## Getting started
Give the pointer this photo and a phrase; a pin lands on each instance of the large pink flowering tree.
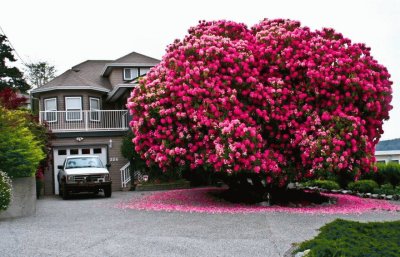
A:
(278, 100)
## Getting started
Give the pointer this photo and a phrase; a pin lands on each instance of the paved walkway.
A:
(91, 226)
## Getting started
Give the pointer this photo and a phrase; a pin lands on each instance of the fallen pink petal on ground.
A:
(200, 200)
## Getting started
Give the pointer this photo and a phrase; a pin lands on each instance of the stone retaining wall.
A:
(23, 202)
(156, 187)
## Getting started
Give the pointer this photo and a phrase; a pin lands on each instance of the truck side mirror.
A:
(108, 165)
(60, 167)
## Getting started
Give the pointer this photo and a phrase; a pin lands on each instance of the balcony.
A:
(78, 121)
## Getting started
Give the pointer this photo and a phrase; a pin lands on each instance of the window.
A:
(50, 110)
(62, 152)
(130, 73)
(73, 106)
(394, 161)
(97, 150)
(86, 151)
(83, 162)
(73, 151)
(143, 71)
(381, 162)
(94, 109)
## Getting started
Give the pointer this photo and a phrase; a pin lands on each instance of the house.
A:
(27, 103)
(84, 108)
(388, 151)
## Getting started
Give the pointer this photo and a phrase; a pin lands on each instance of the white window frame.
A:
(94, 113)
(132, 75)
(147, 69)
(49, 113)
(69, 110)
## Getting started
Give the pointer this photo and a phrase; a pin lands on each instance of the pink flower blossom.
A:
(200, 200)
(277, 99)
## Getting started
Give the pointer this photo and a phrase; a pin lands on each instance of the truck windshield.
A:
(83, 162)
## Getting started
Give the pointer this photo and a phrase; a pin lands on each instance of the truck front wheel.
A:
(107, 191)
(65, 193)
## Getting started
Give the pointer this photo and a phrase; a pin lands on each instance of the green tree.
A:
(40, 73)
(128, 151)
(20, 150)
(10, 77)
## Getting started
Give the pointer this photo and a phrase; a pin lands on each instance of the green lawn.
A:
(354, 239)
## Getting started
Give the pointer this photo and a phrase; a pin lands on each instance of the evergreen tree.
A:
(10, 77)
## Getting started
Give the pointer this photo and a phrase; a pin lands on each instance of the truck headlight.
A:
(107, 177)
(70, 178)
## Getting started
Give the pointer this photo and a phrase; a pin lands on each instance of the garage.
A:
(60, 153)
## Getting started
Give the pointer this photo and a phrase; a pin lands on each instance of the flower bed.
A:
(201, 200)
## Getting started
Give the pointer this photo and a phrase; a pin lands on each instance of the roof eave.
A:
(118, 91)
(47, 89)
(387, 152)
(108, 67)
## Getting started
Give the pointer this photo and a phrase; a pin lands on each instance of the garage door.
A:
(60, 153)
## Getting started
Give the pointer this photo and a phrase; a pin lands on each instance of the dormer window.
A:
(130, 73)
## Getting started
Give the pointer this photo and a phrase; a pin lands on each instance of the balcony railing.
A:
(72, 121)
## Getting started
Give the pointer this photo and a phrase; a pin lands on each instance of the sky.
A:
(67, 32)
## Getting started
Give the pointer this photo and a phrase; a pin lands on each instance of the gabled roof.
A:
(136, 58)
(130, 60)
(92, 75)
(388, 145)
(70, 80)
(82, 76)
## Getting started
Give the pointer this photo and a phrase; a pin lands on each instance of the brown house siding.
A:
(115, 77)
(60, 95)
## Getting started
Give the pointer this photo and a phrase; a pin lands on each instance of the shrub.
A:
(391, 173)
(10, 99)
(397, 190)
(39, 181)
(326, 184)
(20, 150)
(378, 175)
(386, 189)
(278, 100)
(5, 191)
(386, 173)
(363, 186)
(355, 239)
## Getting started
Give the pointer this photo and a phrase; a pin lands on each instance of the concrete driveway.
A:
(91, 226)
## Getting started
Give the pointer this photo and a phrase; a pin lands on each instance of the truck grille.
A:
(88, 178)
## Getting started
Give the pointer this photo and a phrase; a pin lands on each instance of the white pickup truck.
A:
(83, 173)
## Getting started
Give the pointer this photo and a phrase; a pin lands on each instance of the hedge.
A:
(387, 173)
(363, 186)
(326, 184)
